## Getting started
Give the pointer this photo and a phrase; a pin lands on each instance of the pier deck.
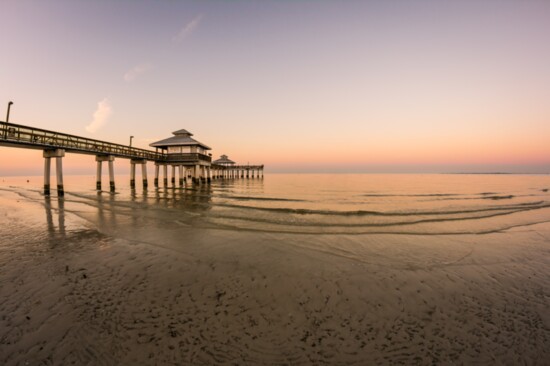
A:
(35, 138)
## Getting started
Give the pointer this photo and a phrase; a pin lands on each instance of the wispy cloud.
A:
(136, 71)
(188, 29)
(101, 116)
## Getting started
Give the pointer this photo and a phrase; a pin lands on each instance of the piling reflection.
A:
(197, 197)
(55, 208)
(106, 215)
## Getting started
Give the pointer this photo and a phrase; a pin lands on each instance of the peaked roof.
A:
(180, 138)
(223, 160)
(182, 132)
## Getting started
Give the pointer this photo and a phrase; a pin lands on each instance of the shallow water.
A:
(332, 204)
(288, 269)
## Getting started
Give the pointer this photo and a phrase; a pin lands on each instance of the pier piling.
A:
(111, 173)
(157, 168)
(180, 168)
(98, 176)
(110, 159)
(58, 154)
(144, 173)
(47, 168)
(59, 175)
(132, 175)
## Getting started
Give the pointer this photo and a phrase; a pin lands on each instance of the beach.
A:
(169, 278)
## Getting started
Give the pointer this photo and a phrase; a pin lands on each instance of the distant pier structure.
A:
(227, 168)
(180, 152)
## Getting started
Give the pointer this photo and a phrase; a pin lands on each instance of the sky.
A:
(300, 86)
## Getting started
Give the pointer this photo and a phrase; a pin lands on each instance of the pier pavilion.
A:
(227, 168)
(222, 167)
(186, 153)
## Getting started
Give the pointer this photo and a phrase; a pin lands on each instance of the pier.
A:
(180, 152)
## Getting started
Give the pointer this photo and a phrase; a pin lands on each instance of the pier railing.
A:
(34, 137)
(187, 157)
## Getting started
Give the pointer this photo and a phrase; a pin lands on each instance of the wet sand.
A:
(75, 292)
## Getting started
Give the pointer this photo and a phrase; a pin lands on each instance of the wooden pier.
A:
(180, 152)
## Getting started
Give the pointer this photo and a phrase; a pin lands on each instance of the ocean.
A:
(288, 269)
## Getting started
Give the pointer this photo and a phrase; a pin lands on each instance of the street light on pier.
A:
(131, 137)
(7, 119)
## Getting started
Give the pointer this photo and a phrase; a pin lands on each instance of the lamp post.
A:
(131, 137)
(7, 119)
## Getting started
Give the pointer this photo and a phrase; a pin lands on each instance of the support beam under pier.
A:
(58, 154)
(133, 163)
(110, 159)
(157, 168)
(47, 168)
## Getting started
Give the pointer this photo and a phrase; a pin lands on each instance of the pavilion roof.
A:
(223, 160)
(180, 138)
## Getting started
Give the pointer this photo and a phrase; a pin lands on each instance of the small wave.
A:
(383, 232)
(366, 225)
(498, 197)
(250, 198)
(412, 195)
(305, 211)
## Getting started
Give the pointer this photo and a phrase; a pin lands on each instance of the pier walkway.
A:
(56, 144)
(36, 138)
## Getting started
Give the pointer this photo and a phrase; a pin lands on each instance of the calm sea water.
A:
(325, 203)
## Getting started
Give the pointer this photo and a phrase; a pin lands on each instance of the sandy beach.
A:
(79, 286)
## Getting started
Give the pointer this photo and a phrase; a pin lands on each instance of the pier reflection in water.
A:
(55, 209)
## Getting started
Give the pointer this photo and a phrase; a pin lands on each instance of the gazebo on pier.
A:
(223, 167)
(227, 168)
(186, 153)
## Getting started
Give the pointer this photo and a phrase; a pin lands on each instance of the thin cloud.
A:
(187, 29)
(136, 71)
(101, 116)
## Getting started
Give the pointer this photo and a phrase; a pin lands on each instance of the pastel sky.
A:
(301, 86)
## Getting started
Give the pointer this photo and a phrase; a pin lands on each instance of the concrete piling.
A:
(180, 168)
(98, 175)
(58, 154)
(132, 175)
(144, 173)
(112, 173)
(156, 182)
(47, 168)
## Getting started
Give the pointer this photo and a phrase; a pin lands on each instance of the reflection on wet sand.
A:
(55, 207)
